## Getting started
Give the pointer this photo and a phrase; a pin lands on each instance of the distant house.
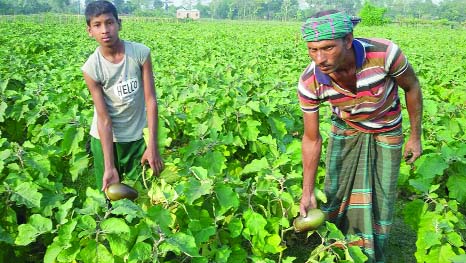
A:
(185, 13)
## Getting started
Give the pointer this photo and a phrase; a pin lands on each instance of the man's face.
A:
(329, 55)
(104, 29)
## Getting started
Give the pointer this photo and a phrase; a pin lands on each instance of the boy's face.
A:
(104, 29)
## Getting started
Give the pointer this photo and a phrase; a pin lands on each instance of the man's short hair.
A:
(97, 8)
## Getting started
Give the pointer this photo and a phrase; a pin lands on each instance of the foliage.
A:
(230, 131)
(372, 15)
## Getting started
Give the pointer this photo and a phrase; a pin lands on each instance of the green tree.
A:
(372, 15)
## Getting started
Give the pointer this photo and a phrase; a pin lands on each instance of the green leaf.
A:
(36, 226)
(78, 164)
(226, 197)
(430, 165)
(194, 189)
(141, 252)
(26, 235)
(37, 162)
(27, 194)
(235, 227)
(63, 210)
(69, 254)
(458, 259)
(95, 252)
(52, 252)
(357, 255)
(214, 160)
(5, 236)
(71, 139)
(413, 212)
(256, 166)
(255, 222)
(456, 189)
(428, 239)
(184, 243)
(114, 226)
(249, 130)
(159, 216)
(128, 209)
(119, 244)
(222, 254)
(455, 239)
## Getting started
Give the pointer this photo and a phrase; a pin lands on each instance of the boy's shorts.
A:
(127, 157)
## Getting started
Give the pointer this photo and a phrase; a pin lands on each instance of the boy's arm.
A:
(311, 149)
(104, 127)
(151, 155)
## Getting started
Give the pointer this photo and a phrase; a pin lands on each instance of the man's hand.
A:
(152, 157)
(308, 201)
(413, 149)
(110, 177)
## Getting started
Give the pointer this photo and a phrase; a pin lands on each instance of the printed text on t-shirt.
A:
(126, 88)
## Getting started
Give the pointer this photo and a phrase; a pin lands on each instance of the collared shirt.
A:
(375, 107)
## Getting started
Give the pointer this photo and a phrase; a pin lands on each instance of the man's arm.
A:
(409, 82)
(151, 155)
(104, 127)
(311, 150)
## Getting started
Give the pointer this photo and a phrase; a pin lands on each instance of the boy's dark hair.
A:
(97, 8)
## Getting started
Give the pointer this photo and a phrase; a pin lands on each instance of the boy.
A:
(120, 80)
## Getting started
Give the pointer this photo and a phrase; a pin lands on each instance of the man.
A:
(359, 77)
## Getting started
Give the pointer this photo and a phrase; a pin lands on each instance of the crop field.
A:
(230, 135)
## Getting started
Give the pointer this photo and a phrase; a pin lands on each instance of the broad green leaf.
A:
(141, 252)
(194, 189)
(273, 244)
(226, 197)
(71, 139)
(119, 243)
(430, 165)
(87, 226)
(159, 216)
(357, 255)
(52, 252)
(200, 172)
(65, 232)
(235, 226)
(69, 254)
(5, 236)
(455, 239)
(255, 222)
(37, 162)
(458, 258)
(204, 234)
(78, 164)
(428, 239)
(412, 213)
(185, 243)
(222, 254)
(214, 160)
(3, 155)
(27, 194)
(63, 210)
(114, 226)
(255, 166)
(456, 189)
(95, 252)
(128, 209)
(249, 130)
(26, 235)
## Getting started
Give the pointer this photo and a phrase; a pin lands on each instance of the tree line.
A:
(452, 10)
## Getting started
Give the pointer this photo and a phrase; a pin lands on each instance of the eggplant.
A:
(119, 191)
(314, 218)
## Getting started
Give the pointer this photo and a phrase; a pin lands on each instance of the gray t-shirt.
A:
(123, 91)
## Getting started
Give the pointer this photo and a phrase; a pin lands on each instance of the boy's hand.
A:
(110, 177)
(152, 156)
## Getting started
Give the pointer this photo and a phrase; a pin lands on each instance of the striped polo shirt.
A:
(376, 105)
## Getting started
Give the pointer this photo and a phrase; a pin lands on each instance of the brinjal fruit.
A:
(119, 191)
(314, 218)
